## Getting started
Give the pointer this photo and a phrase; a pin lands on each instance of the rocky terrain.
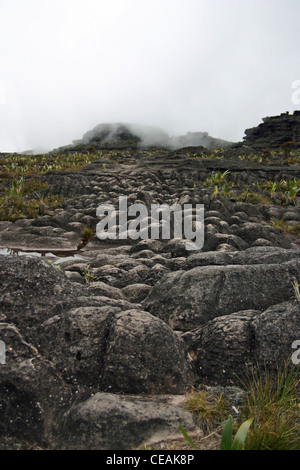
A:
(104, 339)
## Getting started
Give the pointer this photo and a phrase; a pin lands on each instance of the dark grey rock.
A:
(75, 277)
(33, 290)
(188, 299)
(143, 355)
(136, 292)
(33, 395)
(274, 332)
(210, 258)
(212, 241)
(122, 422)
(78, 342)
(102, 289)
(265, 255)
(250, 232)
(227, 349)
(224, 348)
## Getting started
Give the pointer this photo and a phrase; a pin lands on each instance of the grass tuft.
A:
(273, 400)
(208, 409)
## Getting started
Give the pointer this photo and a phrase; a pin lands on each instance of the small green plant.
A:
(55, 266)
(252, 197)
(227, 442)
(238, 442)
(86, 234)
(88, 276)
(289, 190)
(17, 189)
(187, 438)
(296, 289)
(287, 147)
(272, 187)
(276, 222)
(216, 177)
(217, 180)
(225, 188)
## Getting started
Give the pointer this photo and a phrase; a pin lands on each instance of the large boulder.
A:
(105, 348)
(41, 234)
(274, 332)
(95, 341)
(188, 299)
(32, 291)
(222, 348)
(227, 348)
(33, 395)
(122, 422)
(144, 355)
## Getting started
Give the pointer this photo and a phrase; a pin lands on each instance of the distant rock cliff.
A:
(275, 131)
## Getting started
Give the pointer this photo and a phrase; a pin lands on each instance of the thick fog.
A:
(215, 66)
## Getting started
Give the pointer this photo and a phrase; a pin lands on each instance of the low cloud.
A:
(196, 66)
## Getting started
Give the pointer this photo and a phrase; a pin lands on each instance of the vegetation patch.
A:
(273, 401)
(22, 188)
(208, 409)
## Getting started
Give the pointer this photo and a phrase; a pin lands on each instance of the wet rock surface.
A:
(92, 332)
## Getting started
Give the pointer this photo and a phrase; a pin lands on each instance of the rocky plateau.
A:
(104, 339)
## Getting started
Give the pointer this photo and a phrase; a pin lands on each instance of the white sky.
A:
(183, 65)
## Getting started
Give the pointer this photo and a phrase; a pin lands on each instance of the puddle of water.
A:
(57, 258)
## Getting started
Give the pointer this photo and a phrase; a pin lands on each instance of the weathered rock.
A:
(143, 355)
(136, 292)
(75, 277)
(274, 332)
(265, 255)
(212, 241)
(33, 395)
(78, 342)
(210, 258)
(102, 289)
(250, 232)
(122, 422)
(177, 248)
(186, 300)
(38, 239)
(227, 349)
(224, 348)
(109, 348)
(32, 292)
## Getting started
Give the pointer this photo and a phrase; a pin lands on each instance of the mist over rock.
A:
(272, 133)
(126, 135)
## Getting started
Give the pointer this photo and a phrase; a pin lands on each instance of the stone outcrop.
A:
(275, 131)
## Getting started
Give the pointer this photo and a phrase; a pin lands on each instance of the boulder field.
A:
(104, 340)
